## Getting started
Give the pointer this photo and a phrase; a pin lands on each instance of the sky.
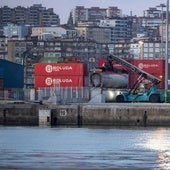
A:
(63, 7)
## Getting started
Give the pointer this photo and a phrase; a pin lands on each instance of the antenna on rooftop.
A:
(131, 13)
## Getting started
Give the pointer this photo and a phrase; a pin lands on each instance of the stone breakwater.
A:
(104, 114)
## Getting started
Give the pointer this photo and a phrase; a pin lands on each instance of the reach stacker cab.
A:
(152, 95)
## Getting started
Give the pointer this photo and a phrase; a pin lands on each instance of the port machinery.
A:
(140, 92)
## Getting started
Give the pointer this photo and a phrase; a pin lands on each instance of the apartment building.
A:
(61, 31)
(98, 25)
(147, 48)
(121, 28)
(91, 31)
(163, 32)
(6, 15)
(16, 31)
(3, 48)
(120, 49)
(35, 15)
(152, 13)
(80, 13)
(57, 48)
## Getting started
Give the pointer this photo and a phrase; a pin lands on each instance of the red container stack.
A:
(59, 75)
(58, 81)
(62, 69)
(154, 67)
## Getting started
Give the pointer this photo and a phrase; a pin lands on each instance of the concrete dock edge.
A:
(110, 114)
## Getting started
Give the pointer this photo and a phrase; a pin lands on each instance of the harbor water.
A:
(70, 148)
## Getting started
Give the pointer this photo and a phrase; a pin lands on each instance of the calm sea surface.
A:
(84, 148)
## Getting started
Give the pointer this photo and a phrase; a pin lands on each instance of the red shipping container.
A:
(150, 66)
(52, 69)
(154, 67)
(133, 78)
(58, 81)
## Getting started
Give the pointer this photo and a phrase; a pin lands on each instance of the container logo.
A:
(144, 66)
(52, 81)
(50, 68)
(49, 81)
(140, 65)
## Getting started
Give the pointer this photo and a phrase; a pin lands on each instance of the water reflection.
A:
(158, 141)
(84, 148)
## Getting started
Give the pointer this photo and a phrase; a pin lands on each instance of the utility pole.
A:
(162, 6)
(166, 50)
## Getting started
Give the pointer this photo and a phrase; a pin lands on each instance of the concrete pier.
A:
(19, 114)
(105, 114)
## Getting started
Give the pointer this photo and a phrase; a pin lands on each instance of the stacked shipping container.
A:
(59, 75)
(72, 74)
(153, 67)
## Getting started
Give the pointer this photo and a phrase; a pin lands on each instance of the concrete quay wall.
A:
(19, 114)
(117, 114)
(128, 115)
